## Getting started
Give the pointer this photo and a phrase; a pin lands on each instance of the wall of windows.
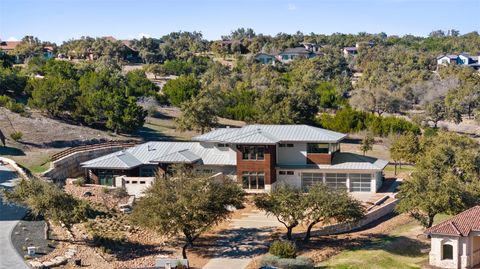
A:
(317, 148)
(253, 152)
(358, 182)
(253, 180)
(148, 171)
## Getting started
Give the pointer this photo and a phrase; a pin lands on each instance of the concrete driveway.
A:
(9, 217)
(245, 239)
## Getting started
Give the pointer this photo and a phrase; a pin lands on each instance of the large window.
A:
(360, 182)
(253, 152)
(317, 148)
(253, 180)
(310, 179)
(447, 252)
(336, 180)
(148, 171)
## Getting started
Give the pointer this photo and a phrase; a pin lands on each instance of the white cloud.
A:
(292, 7)
(12, 38)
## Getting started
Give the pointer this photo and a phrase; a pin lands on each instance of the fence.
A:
(66, 164)
(69, 151)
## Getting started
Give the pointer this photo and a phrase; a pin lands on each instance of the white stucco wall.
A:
(462, 251)
(297, 155)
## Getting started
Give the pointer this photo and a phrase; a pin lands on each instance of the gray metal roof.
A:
(271, 134)
(162, 152)
(345, 161)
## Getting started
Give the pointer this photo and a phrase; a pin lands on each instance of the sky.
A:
(60, 20)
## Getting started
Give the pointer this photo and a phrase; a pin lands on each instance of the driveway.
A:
(245, 239)
(9, 217)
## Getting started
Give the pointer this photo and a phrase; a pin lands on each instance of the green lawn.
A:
(404, 168)
(397, 249)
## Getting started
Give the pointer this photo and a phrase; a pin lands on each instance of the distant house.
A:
(290, 54)
(455, 243)
(9, 48)
(131, 54)
(265, 58)
(463, 59)
(352, 51)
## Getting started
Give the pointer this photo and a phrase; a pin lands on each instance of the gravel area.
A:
(29, 233)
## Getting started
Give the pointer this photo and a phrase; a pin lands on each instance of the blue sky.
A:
(59, 20)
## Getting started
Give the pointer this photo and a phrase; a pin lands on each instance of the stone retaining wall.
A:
(347, 227)
(69, 166)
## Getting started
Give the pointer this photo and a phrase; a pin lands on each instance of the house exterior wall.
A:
(378, 181)
(462, 251)
(267, 165)
(296, 155)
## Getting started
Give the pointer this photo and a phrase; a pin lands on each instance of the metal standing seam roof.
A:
(271, 134)
(159, 152)
(345, 161)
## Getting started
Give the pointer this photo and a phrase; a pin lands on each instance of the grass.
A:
(397, 249)
(404, 168)
(40, 168)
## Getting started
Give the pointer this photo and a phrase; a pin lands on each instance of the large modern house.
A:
(257, 156)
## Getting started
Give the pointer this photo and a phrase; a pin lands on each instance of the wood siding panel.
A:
(319, 158)
(267, 165)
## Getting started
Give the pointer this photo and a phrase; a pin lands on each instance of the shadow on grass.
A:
(11, 151)
(149, 134)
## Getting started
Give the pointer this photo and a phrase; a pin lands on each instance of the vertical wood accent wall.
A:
(267, 165)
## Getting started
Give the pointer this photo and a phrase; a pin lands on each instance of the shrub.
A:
(298, 263)
(283, 249)
(10, 104)
(79, 182)
(119, 192)
(17, 136)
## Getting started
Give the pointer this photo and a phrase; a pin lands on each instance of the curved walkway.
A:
(9, 217)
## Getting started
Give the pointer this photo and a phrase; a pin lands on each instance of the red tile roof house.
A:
(455, 243)
(258, 157)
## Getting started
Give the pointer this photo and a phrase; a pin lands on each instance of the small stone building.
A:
(455, 243)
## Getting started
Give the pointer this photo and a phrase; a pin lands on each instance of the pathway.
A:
(9, 216)
(246, 238)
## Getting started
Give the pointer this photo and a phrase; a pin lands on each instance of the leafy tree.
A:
(47, 200)
(405, 147)
(11, 82)
(187, 204)
(29, 46)
(286, 203)
(55, 95)
(435, 111)
(446, 178)
(367, 142)
(139, 85)
(123, 114)
(200, 113)
(325, 205)
(181, 89)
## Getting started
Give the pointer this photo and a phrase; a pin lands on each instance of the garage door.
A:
(360, 182)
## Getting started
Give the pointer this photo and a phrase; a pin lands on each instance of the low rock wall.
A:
(347, 227)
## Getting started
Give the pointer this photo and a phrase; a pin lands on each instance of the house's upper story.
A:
(463, 59)
(352, 51)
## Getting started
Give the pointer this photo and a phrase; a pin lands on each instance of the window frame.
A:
(450, 256)
(313, 148)
(255, 180)
(253, 153)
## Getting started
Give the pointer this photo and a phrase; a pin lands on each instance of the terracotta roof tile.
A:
(9, 45)
(460, 225)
